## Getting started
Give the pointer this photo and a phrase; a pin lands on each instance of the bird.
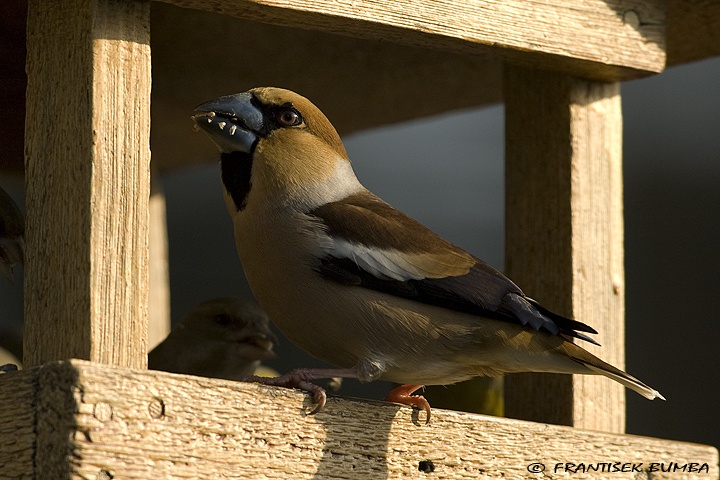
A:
(220, 338)
(12, 231)
(359, 284)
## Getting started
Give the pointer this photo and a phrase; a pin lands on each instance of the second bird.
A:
(219, 338)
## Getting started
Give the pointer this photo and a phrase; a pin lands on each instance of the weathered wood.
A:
(102, 420)
(564, 233)
(17, 423)
(620, 39)
(693, 30)
(87, 183)
(159, 285)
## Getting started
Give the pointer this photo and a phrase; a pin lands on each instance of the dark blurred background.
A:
(447, 172)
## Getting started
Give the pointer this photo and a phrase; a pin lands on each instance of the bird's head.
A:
(275, 144)
(241, 327)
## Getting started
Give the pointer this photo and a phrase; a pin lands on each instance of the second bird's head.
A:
(276, 143)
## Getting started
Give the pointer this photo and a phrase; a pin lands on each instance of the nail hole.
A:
(426, 466)
(156, 408)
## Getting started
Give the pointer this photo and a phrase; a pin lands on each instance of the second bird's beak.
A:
(232, 122)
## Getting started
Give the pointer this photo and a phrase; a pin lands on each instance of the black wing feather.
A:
(482, 291)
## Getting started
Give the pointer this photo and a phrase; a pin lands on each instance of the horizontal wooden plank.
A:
(119, 423)
(600, 39)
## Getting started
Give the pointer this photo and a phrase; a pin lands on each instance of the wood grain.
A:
(564, 233)
(620, 39)
(125, 423)
(87, 183)
(17, 424)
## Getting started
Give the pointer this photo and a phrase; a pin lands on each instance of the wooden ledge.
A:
(78, 419)
(598, 39)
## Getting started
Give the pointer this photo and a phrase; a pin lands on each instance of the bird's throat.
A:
(236, 168)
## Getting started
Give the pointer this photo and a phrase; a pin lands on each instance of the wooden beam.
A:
(87, 183)
(99, 421)
(564, 233)
(693, 30)
(602, 39)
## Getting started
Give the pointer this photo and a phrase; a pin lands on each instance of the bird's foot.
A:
(302, 378)
(404, 394)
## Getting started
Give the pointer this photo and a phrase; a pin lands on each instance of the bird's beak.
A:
(263, 343)
(232, 122)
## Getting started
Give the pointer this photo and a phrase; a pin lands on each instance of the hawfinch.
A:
(12, 229)
(359, 284)
(220, 338)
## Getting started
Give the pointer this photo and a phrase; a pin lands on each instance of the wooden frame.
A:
(564, 233)
(542, 33)
(87, 181)
(87, 189)
(96, 421)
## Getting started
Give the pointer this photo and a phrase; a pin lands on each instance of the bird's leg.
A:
(302, 377)
(404, 394)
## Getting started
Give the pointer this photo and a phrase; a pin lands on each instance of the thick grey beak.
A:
(232, 122)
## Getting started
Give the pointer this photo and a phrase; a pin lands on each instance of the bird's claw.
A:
(298, 378)
(403, 395)
(318, 393)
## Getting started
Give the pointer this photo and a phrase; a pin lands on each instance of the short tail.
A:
(604, 368)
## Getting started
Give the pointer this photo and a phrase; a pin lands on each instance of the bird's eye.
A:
(289, 117)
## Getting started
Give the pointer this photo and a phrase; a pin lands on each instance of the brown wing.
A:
(381, 248)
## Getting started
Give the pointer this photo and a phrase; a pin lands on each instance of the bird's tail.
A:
(603, 368)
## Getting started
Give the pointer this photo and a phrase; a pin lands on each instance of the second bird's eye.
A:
(289, 117)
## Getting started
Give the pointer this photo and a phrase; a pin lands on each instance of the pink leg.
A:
(404, 394)
(301, 378)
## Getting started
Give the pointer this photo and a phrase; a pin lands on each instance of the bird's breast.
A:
(278, 252)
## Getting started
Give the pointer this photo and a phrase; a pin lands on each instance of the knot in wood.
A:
(103, 411)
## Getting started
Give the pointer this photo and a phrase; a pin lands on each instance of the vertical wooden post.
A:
(564, 233)
(87, 161)
(159, 287)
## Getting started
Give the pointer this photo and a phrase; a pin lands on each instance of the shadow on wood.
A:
(94, 420)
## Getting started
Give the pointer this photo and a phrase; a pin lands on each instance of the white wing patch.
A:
(384, 264)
